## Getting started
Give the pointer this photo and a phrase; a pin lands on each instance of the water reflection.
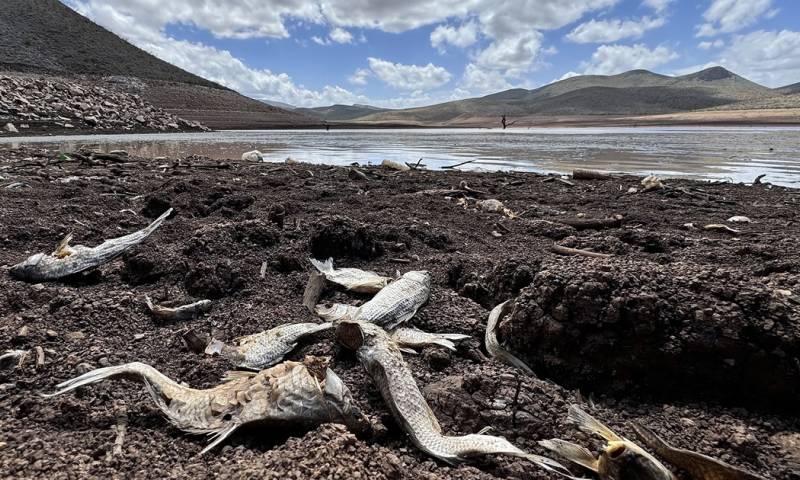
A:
(735, 153)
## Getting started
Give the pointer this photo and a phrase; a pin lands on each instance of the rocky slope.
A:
(46, 104)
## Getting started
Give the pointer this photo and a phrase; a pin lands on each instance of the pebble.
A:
(51, 334)
(739, 219)
(75, 336)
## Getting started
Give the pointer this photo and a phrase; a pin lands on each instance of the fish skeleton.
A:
(493, 345)
(67, 260)
(699, 466)
(264, 349)
(409, 338)
(303, 393)
(184, 312)
(398, 301)
(621, 459)
(384, 363)
(361, 281)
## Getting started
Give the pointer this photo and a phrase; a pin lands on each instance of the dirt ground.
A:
(231, 217)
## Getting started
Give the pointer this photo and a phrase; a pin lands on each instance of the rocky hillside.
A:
(46, 104)
(47, 37)
(340, 113)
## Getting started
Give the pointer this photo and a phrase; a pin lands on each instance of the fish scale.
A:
(266, 348)
(384, 363)
(397, 302)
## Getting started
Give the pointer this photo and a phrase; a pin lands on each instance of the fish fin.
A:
(409, 351)
(322, 267)
(232, 375)
(552, 466)
(455, 337)
(485, 430)
(651, 439)
(150, 305)
(62, 249)
(444, 343)
(572, 452)
(219, 436)
(214, 347)
(589, 424)
(513, 360)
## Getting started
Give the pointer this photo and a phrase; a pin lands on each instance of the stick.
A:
(399, 260)
(39, 357)
(263, 271)
(757, 181)
(458, 164)
(565, 182)
(314, 289)
(121, 428)
(580, 174)
(561, 250)
(591, 223)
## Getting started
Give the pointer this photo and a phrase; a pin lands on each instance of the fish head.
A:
(419, 276)
(350, 334)
(623, 460)
(341, 405)
(29, 269)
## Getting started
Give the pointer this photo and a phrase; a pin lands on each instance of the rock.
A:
(651, 183)
(90, 120)
(253, 156)
(392, 165)
(75, 336)
(291, 161)
(141, 119)
(739, 219)
(10, 128)
(51, 334)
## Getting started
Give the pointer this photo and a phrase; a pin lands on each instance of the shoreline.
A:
(242, 234)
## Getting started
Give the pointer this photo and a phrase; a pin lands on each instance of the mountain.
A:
(633, 93)
(46, 36)
(278, 104)
(789, 89)
(340, 113)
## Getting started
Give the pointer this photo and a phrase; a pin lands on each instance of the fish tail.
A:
(157, 222)
(589, 424)
(214, 347)
(443, 342)
(455, 337)
(572, 452)
(323, 267)
(134, 370)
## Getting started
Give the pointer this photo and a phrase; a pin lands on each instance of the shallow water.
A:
(736, 154)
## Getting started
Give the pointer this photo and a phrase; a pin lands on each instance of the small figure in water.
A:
(327, 126)
(506, 124)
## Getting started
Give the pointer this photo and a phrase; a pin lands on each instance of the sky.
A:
(406, 53)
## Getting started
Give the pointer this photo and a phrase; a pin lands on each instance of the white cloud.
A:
(657, 5)
(567, 75)
(766, 57)
(320, 41)
(513, 55)
(602, 31)
(360, 76)
(462, 36)
(725, 16)
(718, 43)
(613, 59)
(340, 35)
(409, 77)
(478, 81)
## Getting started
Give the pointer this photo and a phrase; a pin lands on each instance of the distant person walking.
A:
(505, 123)
(327, 126)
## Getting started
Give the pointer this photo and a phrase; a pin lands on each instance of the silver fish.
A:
(382, 359)
(336, 312)
(620, 459)
(184, 312)
(267, 348)
(67, 260)
(493, 345)
(293, 393)
(397, 302)
(353, 279)
(409, 338)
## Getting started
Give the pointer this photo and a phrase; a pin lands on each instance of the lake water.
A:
(736, 154)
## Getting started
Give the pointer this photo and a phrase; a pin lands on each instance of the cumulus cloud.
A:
(766, 57)
(340, 35)
(360, 76)
(657, 5)
(602, 31)
(462, 36)
(409, 77)
(725, 16)
(479, 81)
(705, 45)
(613, 59)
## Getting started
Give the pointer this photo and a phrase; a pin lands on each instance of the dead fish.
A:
(651, 182)
(493, 205)
(184, 312)
(621, 459)
(721, 228)
(493, 345)
(397, 302)
(409, 338)
(392, 165)
(699, 466)
(264, 349)
(336, 312)
(14, 355)
(384, 363)
(67, 260)
(361, 281)
(303, 393)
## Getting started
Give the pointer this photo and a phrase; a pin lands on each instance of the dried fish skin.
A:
(353, 279)
(68, 260)
(397, 302)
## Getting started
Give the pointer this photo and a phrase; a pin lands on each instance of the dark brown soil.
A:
(229, 221)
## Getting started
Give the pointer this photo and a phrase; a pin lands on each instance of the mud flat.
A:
(691, 332)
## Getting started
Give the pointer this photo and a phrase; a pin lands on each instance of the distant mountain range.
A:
(45, 36)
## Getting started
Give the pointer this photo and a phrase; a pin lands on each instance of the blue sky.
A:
(417, 52)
